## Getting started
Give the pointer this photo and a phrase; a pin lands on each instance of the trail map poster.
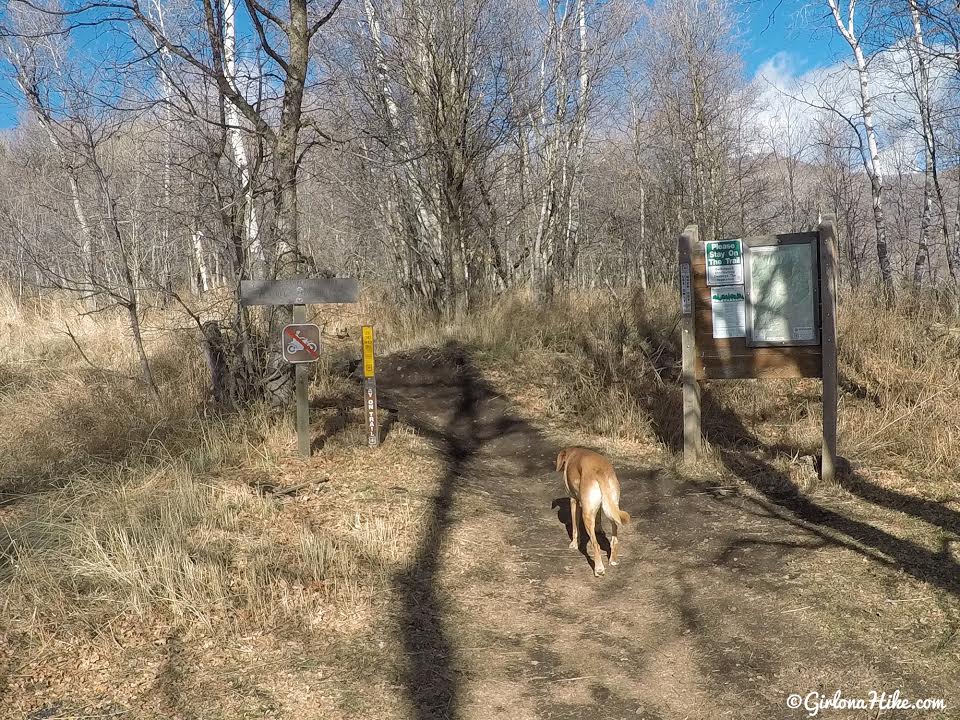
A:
(783, 309)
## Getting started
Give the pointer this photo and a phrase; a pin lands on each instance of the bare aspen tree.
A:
(434, 91)
(413, 216)
(37, 61)
(235, 140)
(789, 142)
(79, 137)
(871, 160)
(921, 58)
(695, 87)
(560, 127)
(286, 42)
(203, 273)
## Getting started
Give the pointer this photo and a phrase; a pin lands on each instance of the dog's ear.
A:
(561, 459)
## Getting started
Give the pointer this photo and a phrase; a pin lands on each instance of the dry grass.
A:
(605, 361)
(609, 364)
(127, 519)
(901, 372)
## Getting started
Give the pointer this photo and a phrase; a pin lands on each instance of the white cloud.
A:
(794, 104)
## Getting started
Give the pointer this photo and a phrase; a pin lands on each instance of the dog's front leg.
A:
(574, 524)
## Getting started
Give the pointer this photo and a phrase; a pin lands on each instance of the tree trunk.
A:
(876, 179)
(923, 248)
(255, 265)
(923, 87)
(214, 350)
(145, 369)
(872, 162)
(203, 273)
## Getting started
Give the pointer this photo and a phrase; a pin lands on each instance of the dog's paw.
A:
(614, 562)
(573, 545)
(599, 572)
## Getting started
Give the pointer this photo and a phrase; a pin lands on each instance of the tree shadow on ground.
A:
(750, 459)
(463, 416)
(430, 676)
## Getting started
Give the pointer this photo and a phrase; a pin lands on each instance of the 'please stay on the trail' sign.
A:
(724, 262)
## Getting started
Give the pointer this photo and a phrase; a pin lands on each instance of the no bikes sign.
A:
(301, 343)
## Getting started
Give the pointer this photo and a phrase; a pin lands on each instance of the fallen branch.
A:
(97, 368)
(294, 489)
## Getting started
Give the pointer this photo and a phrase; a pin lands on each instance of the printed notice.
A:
(686, 290)
(728, 305)
(724, 262)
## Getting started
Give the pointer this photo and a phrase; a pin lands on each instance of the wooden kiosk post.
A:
(828, 340)
(758, 308)
(691, 387)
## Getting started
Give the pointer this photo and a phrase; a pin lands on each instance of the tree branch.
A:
(325, 19)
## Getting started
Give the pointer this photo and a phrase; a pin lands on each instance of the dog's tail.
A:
(611, 508)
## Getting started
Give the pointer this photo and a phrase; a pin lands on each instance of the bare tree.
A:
(921, 60)
(846, 26)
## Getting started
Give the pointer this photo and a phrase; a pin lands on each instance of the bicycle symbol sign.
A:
(301, 343)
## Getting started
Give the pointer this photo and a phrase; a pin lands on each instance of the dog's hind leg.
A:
(574, 524)
(589, 522)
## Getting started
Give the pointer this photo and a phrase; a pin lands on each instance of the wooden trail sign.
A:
(370, 388)
(300, 341)
(759, 307)
(304, 291)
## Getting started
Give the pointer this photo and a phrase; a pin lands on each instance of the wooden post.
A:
(828, 339)
(303, 397)
(300, 292)
(688, 248)
(370, 388)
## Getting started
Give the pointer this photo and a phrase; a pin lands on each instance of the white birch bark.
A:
(235, 141)
(200, 257)
(872, 161)
(918, 65)
(410, 171)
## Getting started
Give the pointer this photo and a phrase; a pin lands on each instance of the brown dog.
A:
(592, 483)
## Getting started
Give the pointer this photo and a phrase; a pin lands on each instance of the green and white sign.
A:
(724, 262)
(728, 309)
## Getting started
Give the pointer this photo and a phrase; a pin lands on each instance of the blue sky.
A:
(800, 33)
(794, 33)
(8, 111)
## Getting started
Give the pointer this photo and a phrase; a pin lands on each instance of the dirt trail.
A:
(703, 618)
